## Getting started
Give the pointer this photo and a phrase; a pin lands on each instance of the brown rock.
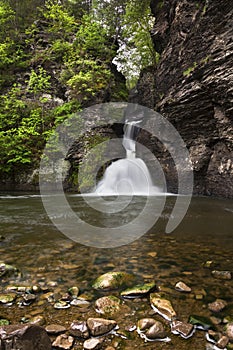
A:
(24, 337)
(100, 326)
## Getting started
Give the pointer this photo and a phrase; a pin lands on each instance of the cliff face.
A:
(192, 86)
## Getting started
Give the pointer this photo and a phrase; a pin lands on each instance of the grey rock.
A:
(100, 326)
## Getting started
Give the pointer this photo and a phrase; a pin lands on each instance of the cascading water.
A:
(129, 176)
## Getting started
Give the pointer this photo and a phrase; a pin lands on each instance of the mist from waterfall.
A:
(128, 176)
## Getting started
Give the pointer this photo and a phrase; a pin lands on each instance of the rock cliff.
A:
(192, 86)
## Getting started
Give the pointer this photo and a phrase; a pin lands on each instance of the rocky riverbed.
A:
(115, 312)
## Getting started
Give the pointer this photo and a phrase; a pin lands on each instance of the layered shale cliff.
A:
(192, 86)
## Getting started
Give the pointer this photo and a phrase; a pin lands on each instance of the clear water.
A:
(43, 253)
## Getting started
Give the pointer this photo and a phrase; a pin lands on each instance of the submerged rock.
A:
(93, 344)
(112, 280)
(55, 329)
(151, 329)
(108, 305)
(186, 330)
(217, 306)
(201, 322)
(162, 306)
(79, 329)
(7, 298)
(139, 290)
(222, 275)
(100, 326)
(24, 337)
(73, 291)
(61, 304)
(182, 287)
(7, 270)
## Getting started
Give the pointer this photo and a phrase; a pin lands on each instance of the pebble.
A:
(217, 306)
(55, 329)
(80, 303)
(74, 291)
(223, 275)
(93, 344)
(7, 298)
(61, 304)
(182, 287)
(100, 326)
(37, 320)
(63, 342)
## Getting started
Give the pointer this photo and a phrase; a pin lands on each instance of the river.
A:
(43, 255)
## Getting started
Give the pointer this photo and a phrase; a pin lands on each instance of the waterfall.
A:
(129, 176)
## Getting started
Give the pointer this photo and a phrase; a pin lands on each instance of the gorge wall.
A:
(192, 86)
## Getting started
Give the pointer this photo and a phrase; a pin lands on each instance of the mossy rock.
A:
(112, 280)
(139, 290)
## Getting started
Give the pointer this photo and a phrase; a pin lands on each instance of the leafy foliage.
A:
(56, 58)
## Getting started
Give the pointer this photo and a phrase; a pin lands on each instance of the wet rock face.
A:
(192, 87)
(24, 338)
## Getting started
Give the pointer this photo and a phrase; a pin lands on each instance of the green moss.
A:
(190, 70)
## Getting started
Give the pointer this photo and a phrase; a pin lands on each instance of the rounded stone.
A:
(93, 344)
(55, 329)
(108, 304)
